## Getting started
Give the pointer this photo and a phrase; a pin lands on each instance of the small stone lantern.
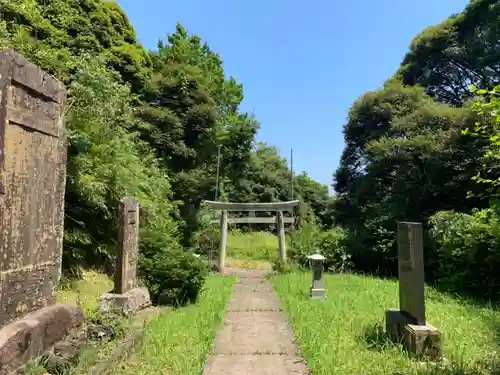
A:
(317, 290)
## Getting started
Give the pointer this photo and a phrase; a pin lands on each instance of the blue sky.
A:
(302, 64)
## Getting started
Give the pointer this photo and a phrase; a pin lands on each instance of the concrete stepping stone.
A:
(256, 337)
(251, 332)
(256, 365)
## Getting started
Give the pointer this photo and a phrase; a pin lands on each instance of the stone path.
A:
(256, 338)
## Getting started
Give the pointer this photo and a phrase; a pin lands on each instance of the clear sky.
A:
(302, 64)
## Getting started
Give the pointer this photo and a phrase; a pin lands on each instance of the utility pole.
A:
(218, 172)
(291, 171)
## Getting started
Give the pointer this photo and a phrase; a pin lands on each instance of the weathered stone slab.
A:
(411, 270)
(128, 246)
(253, 287)
(408, 324)
(423, 341)
(126, 303)
(253, 365)
(254, 281)
(26, 290)
(263, 332)
(254, 301)
(37, 332)
(32, 184)
(126, 297)
(246, 273)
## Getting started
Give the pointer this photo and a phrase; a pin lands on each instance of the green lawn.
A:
(85, 291)
(177, 343)
(261, 246)
(251, 250)
(344, 334)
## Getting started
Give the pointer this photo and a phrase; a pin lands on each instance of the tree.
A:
(182, 119)
(405, 159)
(487, 105)
(54, 33)
(462, 50)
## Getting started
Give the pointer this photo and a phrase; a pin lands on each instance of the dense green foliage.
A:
(147, 125)
(446, 58)
(425, 147)
(331, 243)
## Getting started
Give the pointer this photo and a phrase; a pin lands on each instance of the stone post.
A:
(280, 227)
(127, 246)
(408, 323)
(126, 297)
(411, 270)
(251, 215)
(223, 240)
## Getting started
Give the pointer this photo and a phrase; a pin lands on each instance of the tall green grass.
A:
(345, 334)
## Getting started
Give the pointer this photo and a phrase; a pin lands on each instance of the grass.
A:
(260, 246)
(251, 250)
(344, 334)
(177, 342)
(85, 291)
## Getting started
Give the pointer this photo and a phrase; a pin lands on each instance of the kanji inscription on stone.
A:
(128, 246)
(411, 270)
(32, 184)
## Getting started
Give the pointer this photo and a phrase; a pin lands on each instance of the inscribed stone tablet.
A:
(411, 270)
(32, 183)
(128, 246)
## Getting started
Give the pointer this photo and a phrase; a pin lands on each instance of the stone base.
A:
(317, 293)
(124, 304)
(29, 337)
(421, 341)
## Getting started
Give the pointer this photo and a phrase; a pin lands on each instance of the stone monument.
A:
(32, 185)
(126, 297)
(317, 290)
(408, 324)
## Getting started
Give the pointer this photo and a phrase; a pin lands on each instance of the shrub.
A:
(107, 161)
(331, 244)
(207, 236)
(305, 242)
(173, 276)
(284, 267)
(466, 254)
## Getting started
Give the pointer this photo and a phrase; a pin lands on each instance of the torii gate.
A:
(280, 221)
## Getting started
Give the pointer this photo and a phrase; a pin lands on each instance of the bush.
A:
(107, 161)
(466, 254)
(284, 267)
(207, 236)
(331, 244)
(173, 276)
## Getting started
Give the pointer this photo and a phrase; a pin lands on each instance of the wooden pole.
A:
(280, 226)
(223, 240)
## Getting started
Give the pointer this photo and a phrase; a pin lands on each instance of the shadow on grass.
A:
(375, 337)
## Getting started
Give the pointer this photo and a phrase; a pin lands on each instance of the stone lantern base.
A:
(317, 293)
